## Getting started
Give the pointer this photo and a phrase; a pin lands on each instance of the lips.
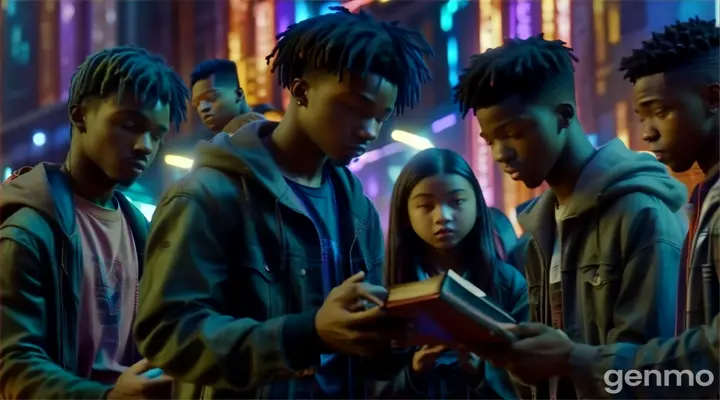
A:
(137, 164)
(513, 173)
(444, 232)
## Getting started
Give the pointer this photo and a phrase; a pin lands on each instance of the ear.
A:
(713, 97)
(77, 118)
(565, 114)
(240, 95)
(299, 89)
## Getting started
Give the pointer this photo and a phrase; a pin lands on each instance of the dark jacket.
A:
(511, 295)
(621, 241)
(702, 291)
(697, 349)
(224, 304)
(41, 272)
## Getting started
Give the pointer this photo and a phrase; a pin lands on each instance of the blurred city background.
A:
(42, 41)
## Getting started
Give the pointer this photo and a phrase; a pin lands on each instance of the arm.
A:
(183, 326)
(695, 350)
(648, 284)
(26, 370)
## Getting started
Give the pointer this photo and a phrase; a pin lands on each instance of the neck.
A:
(441, 260)
(564, 175)
(296, 154)
(87, 180)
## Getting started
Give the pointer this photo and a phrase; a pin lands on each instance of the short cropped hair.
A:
(134, 69)
(223, 70)
(526, 67)
(356, 42)
(694, 43)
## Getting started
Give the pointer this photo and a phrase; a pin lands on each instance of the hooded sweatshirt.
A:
(227, 300)
(241, 120)
(620, 241)
(41, 276)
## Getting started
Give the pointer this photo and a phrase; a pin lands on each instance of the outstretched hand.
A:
(540, 353)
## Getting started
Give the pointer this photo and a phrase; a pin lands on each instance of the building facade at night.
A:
(49, 38)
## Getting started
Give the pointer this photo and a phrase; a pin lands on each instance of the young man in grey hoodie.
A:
(606, 238)
(677, 94)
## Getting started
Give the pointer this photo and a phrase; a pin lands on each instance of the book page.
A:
(466, 284)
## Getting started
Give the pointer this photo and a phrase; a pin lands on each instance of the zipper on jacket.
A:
(542, 301)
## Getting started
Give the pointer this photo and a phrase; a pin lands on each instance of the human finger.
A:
(526, 330)
(160, 380)
(437, 349)
(367, 315)
(357, 278)
(140, 367)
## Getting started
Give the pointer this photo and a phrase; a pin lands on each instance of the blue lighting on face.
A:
(39, 139)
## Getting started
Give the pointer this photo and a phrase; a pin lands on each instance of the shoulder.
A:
(646, 216)
(28, 227)
(204, 185)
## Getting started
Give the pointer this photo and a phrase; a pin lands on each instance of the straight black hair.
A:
(403, 244)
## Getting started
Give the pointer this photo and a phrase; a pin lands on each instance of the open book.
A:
(448, 309)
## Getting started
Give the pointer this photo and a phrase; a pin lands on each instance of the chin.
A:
(341, 161)
(533, 184)
(677, 167)
(126, 181)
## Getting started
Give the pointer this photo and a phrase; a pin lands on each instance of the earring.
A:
(299, 103)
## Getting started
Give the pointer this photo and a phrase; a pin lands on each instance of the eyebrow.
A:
(205, 93)
(140, 115)
(455, 191)
(367, 99)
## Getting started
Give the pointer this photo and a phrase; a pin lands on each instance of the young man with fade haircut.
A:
(72, 246)
(676, 78)
(606, 237)
(218, 97)
(263, 260)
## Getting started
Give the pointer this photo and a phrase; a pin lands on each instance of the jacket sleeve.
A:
(183, 324)
(26, 370)
(597, 370)
(648, 281)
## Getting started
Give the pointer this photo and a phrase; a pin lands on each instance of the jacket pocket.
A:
(534, 302)
(599, 291)
(259, 293)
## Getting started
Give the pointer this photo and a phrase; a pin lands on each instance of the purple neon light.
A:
(523, 19)
(67, 42)
(444, 123)
(374, 155)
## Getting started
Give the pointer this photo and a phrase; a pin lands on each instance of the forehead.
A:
(651, 87)
(508, 110)
(371, 85)
(440, 185)
(208, 84)
(158, 111)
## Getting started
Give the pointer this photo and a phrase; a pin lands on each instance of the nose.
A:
(371, 129)
(204, 107)
(443, 214)
(650, 133)
(501, 152)
(144, 144)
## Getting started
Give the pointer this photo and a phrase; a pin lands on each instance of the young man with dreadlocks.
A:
(606, 237)
(261, 259)
(675, 76)
(218, 97)
(71, 245)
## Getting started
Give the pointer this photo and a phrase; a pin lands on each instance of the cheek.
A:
(420, 223)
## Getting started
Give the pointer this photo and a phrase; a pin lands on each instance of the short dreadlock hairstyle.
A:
(526, 67)
(357, 42)
(222, 69)
(695, 44)
(132, 69)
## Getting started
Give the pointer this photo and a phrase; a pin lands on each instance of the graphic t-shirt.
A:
(556, 303)
(320, 205)
(109, 291)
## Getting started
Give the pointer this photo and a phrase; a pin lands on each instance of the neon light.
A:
(613, 23)
(453, 58)
(621, 122)
(354, 5)
(521, 19)
(67, 43)
(264, 43)
(325, 8)
(302, 11)
(237, 19)
(564, 21)
(411, 139)
(490, 36)
(548, 19)
(375, 155)
(444, 123)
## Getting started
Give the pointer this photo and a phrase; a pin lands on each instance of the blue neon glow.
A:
(325, 8)
(447, 12)
(302, 11)
(7, 173)
(39, 139)
(453, 56)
